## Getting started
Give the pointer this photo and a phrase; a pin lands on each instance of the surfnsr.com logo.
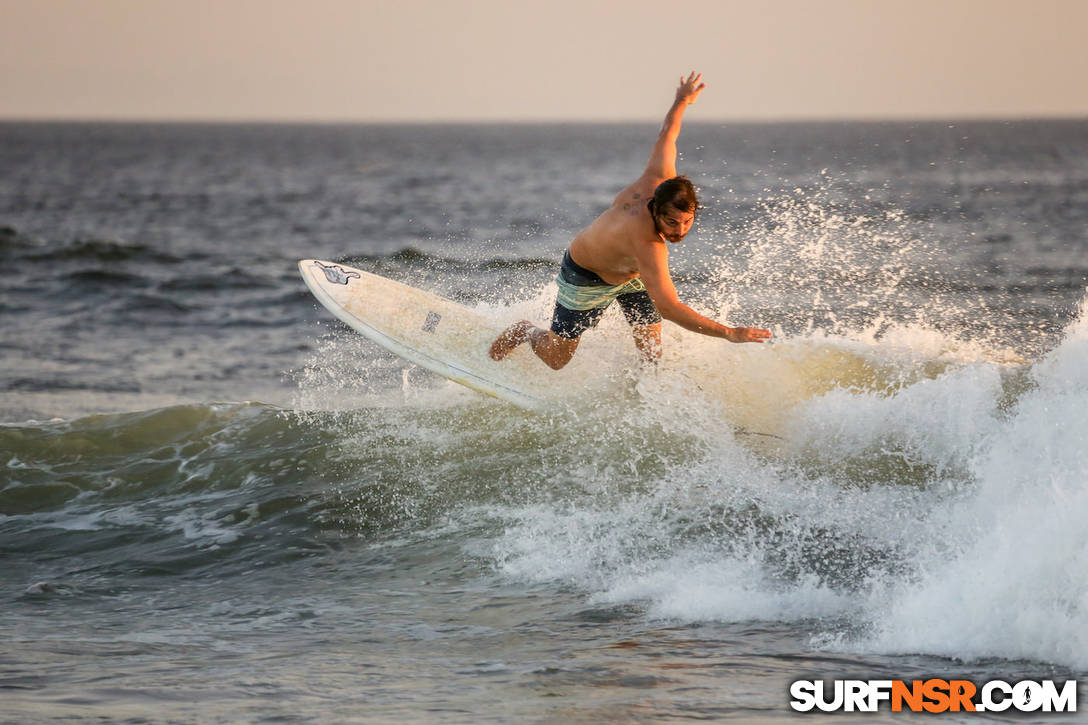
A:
(933, 695)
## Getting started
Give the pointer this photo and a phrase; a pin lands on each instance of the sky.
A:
(546, 60)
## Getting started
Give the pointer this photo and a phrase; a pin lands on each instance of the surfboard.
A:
(430, 331)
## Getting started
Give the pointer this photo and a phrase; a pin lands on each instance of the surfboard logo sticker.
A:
(336, 274)
(431, 323)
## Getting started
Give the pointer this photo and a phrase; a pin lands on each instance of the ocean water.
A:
(218, 504)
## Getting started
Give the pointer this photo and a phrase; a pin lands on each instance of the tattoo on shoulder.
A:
(626, 206)
(636, 195)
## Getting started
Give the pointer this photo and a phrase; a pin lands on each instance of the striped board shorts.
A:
(583, 297)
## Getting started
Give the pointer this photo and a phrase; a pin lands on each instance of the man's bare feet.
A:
(513, 336)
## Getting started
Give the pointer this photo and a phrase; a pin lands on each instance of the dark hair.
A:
(677, 192)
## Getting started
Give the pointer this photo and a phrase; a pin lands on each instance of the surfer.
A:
(623, 256)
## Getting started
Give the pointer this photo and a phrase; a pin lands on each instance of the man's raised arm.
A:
(662, 163)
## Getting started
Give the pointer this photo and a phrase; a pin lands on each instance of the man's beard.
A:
(666, 235)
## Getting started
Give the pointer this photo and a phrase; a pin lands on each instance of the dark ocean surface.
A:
(218, 504)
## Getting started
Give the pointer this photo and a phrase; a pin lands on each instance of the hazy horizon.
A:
(466, 61)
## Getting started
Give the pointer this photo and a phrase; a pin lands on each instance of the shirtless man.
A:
(623, 256)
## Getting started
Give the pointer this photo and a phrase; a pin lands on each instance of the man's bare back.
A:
(623, 256)
(606, 245)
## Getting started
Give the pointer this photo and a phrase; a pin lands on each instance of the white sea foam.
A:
(906, 498)
(1018, 586)
(206, 530)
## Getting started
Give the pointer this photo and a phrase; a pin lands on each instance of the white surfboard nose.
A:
(430, 331)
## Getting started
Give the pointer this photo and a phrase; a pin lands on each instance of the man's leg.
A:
(648, 341)
(555, 346)
(645, 322)
(554, 350)
(511, 337)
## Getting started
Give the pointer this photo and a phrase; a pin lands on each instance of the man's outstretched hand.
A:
(748, 334)
(690, 88)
